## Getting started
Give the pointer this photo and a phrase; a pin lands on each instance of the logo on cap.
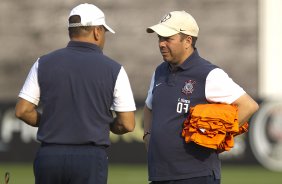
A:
(168, 16)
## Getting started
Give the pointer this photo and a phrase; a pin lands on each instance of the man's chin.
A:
(166, 59)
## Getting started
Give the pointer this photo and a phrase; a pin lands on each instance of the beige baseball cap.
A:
(90, 15)
(176, 22)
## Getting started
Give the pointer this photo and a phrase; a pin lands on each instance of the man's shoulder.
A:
(53, 53)
(204, 64)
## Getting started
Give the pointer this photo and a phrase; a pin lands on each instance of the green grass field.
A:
(137, 174)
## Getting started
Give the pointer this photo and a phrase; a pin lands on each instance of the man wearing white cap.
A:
(78, 87)
(182, 81)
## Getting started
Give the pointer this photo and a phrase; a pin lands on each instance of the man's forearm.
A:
(246, 108)
(124, 122)
(117, 128)
(31, 118)
(27, 112)
(147, 126)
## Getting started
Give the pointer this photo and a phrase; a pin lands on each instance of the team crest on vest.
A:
(188, 87)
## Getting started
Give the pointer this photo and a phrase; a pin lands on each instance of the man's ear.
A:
(96, 33)
(189, 40)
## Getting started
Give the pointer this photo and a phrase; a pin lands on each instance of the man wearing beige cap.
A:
(182, 81)
(78, 88)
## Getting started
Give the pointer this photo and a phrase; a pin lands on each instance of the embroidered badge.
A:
(165, 18)
(188, 88)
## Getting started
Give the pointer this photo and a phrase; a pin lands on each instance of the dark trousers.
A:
(196, 180)
(71, 164)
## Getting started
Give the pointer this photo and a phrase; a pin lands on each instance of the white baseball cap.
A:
(90, 15)
(176, 22)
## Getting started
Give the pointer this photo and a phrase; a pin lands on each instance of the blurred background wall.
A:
(228, 37)
(28, 29)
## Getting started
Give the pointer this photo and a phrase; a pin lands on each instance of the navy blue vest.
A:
(174, 92)
(76, 93)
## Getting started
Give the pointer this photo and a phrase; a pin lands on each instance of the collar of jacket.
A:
(188, 63)
(84, 46)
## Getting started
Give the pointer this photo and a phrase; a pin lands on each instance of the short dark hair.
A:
(194, 39)
(78, 31)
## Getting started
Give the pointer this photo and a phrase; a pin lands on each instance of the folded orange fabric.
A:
(213, 126)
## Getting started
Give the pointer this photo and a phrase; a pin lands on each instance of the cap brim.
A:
(108, 28)
(162, 30)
